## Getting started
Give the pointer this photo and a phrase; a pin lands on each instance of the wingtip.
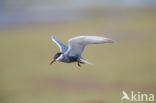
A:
(53, 36)
(115, 42)
(112, 41)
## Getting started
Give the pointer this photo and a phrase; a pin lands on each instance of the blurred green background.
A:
(26, 50)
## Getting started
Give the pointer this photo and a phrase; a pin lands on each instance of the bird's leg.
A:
(82, 62)
(78, 63)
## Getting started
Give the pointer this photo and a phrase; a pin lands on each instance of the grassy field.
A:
(130, 65)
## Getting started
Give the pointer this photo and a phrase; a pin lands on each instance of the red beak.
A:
(52, 61)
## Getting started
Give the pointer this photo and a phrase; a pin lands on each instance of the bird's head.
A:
(56, 57)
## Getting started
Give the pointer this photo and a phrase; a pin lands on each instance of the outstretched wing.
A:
(77, 44)
(62, 47)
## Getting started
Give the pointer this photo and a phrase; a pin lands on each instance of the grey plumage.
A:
(76, 47)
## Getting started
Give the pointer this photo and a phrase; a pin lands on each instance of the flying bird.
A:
(76, 47)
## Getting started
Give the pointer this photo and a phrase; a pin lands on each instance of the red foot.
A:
(80, 62)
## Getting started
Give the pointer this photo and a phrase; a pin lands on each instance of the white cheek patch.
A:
(59, 58)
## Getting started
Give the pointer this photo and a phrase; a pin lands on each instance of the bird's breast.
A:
(73, 58)
(69, 59)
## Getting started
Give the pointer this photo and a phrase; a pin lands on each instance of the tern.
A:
(76, 47)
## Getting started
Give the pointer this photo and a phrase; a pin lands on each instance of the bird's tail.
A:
(82, 59)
